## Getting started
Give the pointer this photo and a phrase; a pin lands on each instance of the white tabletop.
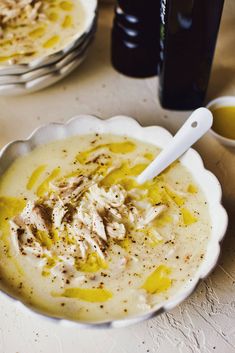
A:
(206, 321)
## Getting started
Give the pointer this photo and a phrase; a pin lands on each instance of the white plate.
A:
(45, 70)
(160, 137)
(91, 10)
(43, 81)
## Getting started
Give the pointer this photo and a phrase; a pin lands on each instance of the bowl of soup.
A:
(223, 128)
(83, 243)
(35, 33)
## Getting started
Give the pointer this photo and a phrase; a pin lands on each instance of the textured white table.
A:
(206, 321)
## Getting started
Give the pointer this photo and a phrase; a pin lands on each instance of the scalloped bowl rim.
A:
(126, 126)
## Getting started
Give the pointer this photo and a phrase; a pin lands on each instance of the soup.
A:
(38, 29)
(224, 121)
(81, 239)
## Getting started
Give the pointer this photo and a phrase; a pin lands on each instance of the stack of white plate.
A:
(43, 72)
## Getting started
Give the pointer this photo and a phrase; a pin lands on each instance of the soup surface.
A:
(38, 29)
(80, 239)
(224, 121)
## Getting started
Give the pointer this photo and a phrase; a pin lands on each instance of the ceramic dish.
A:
(91, 10)
(226, 101)
(42, 81)
(121, 125)
(49, 69)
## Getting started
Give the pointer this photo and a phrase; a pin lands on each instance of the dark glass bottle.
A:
(135, 37)
(188, 34)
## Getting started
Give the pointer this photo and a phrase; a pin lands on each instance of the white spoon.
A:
(194, 128)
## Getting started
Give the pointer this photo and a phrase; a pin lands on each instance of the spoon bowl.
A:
(199, 122)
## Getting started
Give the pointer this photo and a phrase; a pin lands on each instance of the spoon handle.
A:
(194, 128)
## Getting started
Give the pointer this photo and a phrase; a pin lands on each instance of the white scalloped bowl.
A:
(160, 137)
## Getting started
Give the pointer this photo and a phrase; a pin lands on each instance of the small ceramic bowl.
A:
(226, 101)
(156, 135)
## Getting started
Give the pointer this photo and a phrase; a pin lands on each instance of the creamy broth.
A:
(23, 40)
(152, 237)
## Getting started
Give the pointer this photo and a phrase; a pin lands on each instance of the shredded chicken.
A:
(116, 230)
(98, 225)
(115, 197)
(77, 217)
(37, 215)
(12, 10)
(72, 189)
